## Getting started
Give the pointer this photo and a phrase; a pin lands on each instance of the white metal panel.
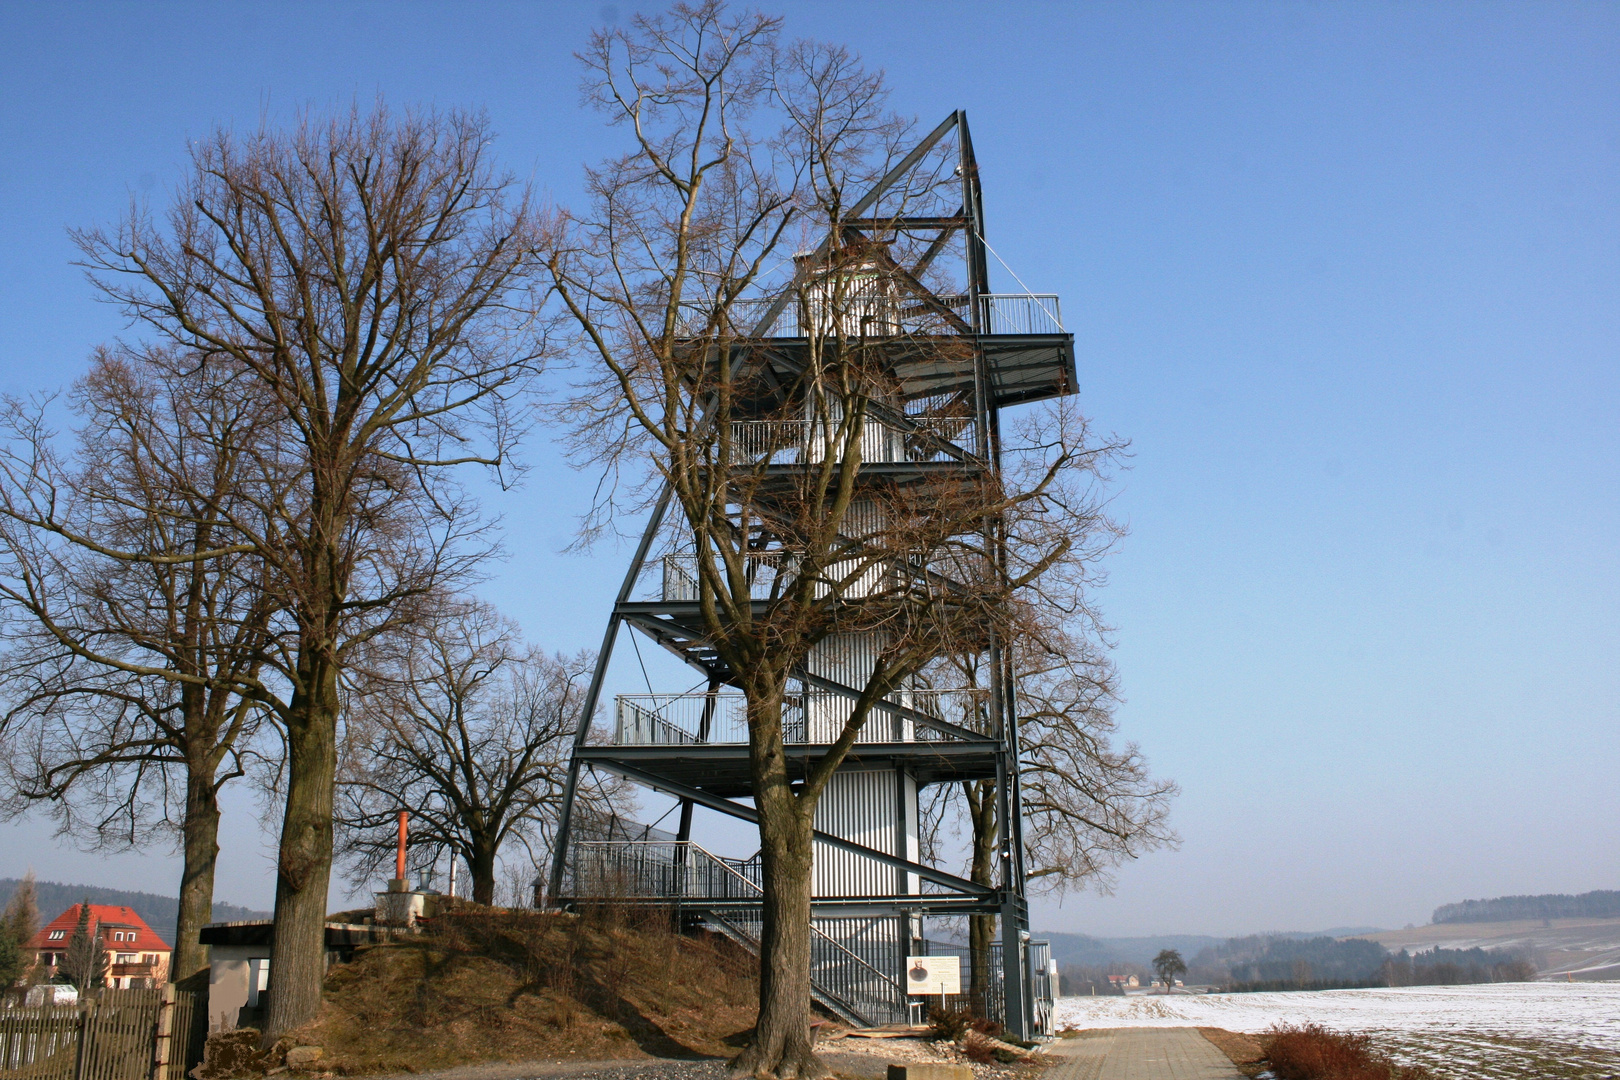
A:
(848, 660)
(862, 806)
(910, 818)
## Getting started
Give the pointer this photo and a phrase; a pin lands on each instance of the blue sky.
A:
(1345, 275)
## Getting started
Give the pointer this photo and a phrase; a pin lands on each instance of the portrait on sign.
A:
(933, 975)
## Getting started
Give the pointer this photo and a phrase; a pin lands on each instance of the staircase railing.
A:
(841, 980)
(669, 870)
(845, 974)
(812, 716)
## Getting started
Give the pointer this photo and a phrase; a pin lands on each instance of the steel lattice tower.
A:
(871, 890)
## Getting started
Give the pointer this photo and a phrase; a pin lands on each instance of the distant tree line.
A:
(1598, 904)
(1450, 967)
(1275, 962)
(1294, 963)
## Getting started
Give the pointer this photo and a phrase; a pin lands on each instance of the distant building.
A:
(1124, 980)
(136, 956)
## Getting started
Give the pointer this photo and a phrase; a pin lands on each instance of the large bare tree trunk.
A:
(200, 840)
(781, 1043)
(403, 349)
(304, 863)
(482, 868)
(981, 928)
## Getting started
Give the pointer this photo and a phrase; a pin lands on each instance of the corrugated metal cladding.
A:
(863, 806)
(848, 660)
(911, 819)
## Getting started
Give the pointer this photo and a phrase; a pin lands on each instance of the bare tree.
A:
(366, 275)
(1087, 805)
(130, 630)
(467, 730)
(670, 279)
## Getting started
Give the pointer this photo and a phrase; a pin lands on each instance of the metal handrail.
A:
(861, 571)
(1020, 313)
(919, 438)
(656, 870)
(812, 716)
(1000, 313)
(843, 974)
(764, 571)
(836, 972)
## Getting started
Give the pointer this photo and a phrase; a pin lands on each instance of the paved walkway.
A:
(1141, 1054)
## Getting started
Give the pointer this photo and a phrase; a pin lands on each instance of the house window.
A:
(58, 935)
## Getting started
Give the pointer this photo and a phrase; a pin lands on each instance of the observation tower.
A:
(950, 355)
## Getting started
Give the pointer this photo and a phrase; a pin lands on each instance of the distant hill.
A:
(1575, 949)
(1592, 905)
(1083, 950)
(159, 912)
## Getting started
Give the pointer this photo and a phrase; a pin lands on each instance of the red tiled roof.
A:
(113, 919)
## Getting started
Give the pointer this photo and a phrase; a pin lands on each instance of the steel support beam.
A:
(587, 713)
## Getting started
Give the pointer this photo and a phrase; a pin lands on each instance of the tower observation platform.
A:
(954, 354)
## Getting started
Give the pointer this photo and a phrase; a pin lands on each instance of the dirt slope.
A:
(524, 986)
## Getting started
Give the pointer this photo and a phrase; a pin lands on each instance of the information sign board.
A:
(933, 975)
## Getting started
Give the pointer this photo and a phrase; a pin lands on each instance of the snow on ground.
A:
(1581, 1014)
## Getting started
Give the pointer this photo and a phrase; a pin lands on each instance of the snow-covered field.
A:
(1496, 1030)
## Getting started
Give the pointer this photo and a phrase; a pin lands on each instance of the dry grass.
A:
(1244, 1051)
(1312, 1052)
(514, 986)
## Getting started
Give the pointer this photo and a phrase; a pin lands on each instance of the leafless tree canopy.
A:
(366, 277)
(134, 623)
(1088, 805)
(469, 731)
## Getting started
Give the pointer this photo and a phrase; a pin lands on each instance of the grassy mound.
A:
(490, 985)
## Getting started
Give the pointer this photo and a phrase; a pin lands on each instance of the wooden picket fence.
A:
(113, 1035)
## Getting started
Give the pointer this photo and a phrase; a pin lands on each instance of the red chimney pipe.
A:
(399, 855)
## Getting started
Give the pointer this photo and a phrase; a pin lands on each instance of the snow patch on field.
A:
(1585, 1014)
